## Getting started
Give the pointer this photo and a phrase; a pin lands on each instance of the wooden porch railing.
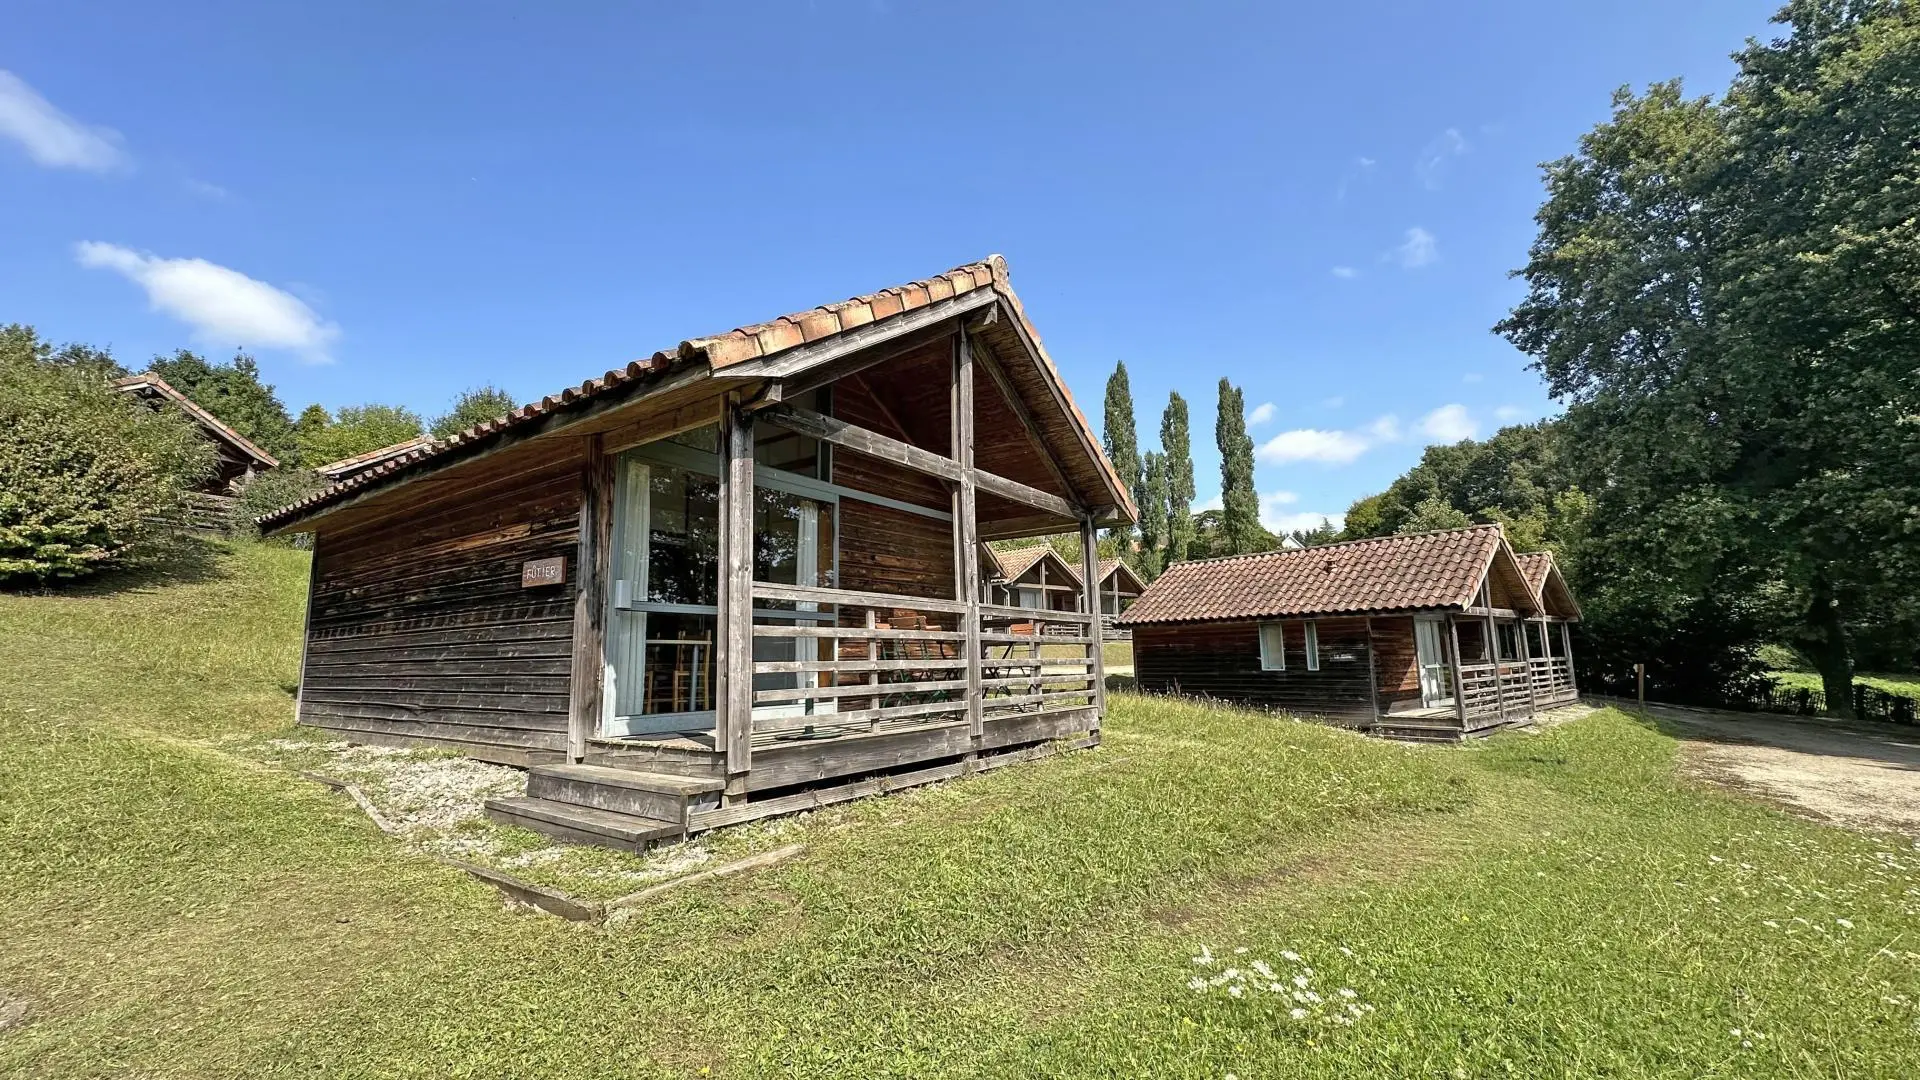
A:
(1552, 679)
(893, 660)
(1490, 691)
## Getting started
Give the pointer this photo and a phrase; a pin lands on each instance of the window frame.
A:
(1312, 632)
(1273, 662)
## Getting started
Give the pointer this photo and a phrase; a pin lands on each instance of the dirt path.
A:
(1866, 776)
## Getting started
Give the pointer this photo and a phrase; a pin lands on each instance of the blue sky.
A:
(392, 202)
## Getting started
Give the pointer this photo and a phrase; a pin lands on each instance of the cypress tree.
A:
(1240, 505)
(1177, 446)
(1123, 442)
(1153, 516)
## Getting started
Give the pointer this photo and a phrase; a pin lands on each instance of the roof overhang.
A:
(766, 362)
(147, 384)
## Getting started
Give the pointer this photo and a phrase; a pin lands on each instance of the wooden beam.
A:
(306, 628)
(733, 646)
(1493, 654)
(864, 440)
(1089, 579)
(907, 455)
(966, 548)
(1494, 612)
(590, 569)
(1373, 674)
(1047, 376)
(1459, 688)
(985, 360)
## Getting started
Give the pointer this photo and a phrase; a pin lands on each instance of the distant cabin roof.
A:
(150, 386)
(1017, 562)
(1435, 570)
(1544, 578)
(1108, 567)
(347, 466)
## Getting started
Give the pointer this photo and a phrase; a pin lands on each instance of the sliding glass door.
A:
(663, 620)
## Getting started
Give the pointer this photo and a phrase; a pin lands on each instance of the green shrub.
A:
(85, 471)
(269, 491)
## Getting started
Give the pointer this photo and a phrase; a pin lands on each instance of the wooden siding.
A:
(884, 550)
(1222, 659)
(421, 627)
(1396, 661)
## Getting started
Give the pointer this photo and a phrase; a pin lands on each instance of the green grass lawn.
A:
(1557, 904)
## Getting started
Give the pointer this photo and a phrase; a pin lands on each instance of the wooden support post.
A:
(1089, 567)
(590, 570)
(1459, 680)
(1493, 654)
(966, 570)
(1526, 659)
(733, 644)
(1566, 646)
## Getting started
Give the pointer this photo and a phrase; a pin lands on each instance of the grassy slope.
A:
(1539, 905)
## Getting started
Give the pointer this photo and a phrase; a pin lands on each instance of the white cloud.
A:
(1384, 429)
(1433, 163)
(51, 137)
(1473, 377)
(1420, 248)
(1278, 498)
(206, 190)
(1329, 447)
(1509, 413)
(1212, 503)
(1365, 162)
(1260, 414)
(224, 307)
(1333, 402)
(1345, 273)
(1448, 423)
(1304, 519)
(1309, 444)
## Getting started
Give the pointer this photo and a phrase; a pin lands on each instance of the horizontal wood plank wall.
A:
(1222, 660)
(1396, 660)
(421, 627)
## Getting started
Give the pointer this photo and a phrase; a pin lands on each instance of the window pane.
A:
(683, 537)
(678, 666)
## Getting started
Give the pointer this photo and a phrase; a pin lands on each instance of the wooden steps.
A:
(618, 808)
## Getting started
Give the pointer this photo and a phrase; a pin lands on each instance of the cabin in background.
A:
(236, 458)
(1432, 636)
(741, 577)
(1119, 587)
(1037, 578)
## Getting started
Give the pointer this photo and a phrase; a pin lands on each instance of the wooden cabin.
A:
(737, 578)
(1433, 636)
(1119, 587)
(236, 458)
(1036, 578)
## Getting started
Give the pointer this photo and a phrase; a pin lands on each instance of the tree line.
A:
(1724, 293)
(87, 474)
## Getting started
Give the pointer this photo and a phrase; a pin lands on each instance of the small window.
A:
(1273, 647)
(1313, 645)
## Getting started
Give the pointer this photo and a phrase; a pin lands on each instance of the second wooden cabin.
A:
(1431, 636)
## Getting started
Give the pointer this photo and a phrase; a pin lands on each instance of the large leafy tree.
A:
(1727, 294)
(85, 472)
(1176, 442)
(1240, 529)
(1118, 431)
(235, 394)
(480, 404)
(355, 429)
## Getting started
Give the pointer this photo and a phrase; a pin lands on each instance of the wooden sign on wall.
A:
(537, 572)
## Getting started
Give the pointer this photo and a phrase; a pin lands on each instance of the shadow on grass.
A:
(169, 560)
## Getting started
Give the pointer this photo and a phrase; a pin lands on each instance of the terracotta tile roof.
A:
(721, 351)
(1108, 566)
(334, 470)
(1389, 573)
(148, 383)
(1020, 560)
(1534, 566)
